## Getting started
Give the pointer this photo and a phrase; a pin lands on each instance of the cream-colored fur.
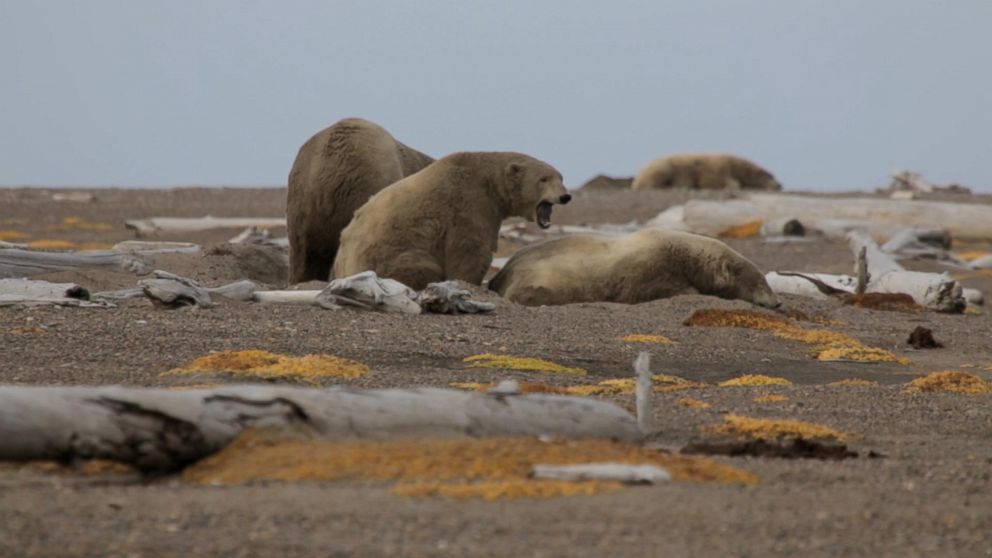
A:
(443, 222)
(704, 171)
(646, 265)
(336, 171)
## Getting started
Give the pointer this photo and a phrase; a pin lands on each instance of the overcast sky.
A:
(831, 94)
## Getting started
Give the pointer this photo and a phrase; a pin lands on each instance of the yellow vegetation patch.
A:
(951, 381)
(830, 345)
(748, 380)
(969, 255)
(13, 235)
(52, 244)
(641, 338)
(80, 224)
(770, 398)
(693, 403)
(487, 468)
(528, 364)
(614, 386)
(25, 330)
(773, 429)
(854, 382)
(744, 230)
(523, 387)
(268, 365)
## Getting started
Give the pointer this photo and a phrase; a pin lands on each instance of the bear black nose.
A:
(565, 198)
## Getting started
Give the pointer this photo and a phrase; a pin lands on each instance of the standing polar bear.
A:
(443, 222)
(336, 171)
(704, 172)
(646, 265)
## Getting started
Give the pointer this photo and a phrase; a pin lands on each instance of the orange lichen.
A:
(856, 382)
(268, 365)
(773, 429)
(830, 345)
(744, 230)
(643, 338)
(527, 364)
(693, 403)
(488, 467)
(80, 224)
(770, 398)
(522, 387)
(969, 255)
(13, 235)
(951, 381)
(52, 244)
(748, 380)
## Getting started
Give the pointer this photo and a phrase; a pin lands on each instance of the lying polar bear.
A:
(639, 267)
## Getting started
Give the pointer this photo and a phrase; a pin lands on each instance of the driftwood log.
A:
(153, 225)
(159, 430)
(833, 216)
(25, 263)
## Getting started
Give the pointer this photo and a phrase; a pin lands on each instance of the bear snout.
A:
(563, 199)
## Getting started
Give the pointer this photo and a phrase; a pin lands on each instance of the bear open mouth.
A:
(544, 214)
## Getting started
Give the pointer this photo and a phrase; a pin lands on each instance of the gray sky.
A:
(830, 94)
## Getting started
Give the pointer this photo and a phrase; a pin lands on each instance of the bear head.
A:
(534, 187)
(740, 279)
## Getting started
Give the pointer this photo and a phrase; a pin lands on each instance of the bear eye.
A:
(544, 179)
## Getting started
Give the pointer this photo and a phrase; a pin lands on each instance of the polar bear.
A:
(646, 265)
(704, 172)
(443, 222)
(335, 172)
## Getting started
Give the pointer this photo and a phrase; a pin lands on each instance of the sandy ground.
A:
(931, 493)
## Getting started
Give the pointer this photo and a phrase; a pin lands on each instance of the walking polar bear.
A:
(704, 172)
(336, 171)
(443, 222)
(646, 265)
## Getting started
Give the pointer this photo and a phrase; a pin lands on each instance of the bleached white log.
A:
(256, 235)
(643, 388)
(805, 284)
(25, 263)
(618, 472)
(27, 292)
(148, 248)
(936, 291)
(196, 224)
(371, 292)
(286, 297)
(983, 262)
(878, 218)
(446, 297)
(161, 430)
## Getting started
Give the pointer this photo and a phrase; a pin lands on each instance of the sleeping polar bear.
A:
(639, 267)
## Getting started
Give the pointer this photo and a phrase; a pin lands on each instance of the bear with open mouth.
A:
(443, 222)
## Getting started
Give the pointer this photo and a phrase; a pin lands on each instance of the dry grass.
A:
(744, 230)
(969, 255)
(693, 403)
(488, 468)
(80, 224)
(854, 382)
(774, 429)
(52, 244)
(749, 380)
(830, 345)
(643, 338)
(526, 364)
(950, 381)
(13, 235)
(615, 386)
(263, 364)
(770, 398)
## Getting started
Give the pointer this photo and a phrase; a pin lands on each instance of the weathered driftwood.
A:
(149, 248)
(257, 235)
(162, 430)
(618, 472)
(368, 291)
(880, 273)
(25, 263)
(447, 297)
(643, 388)
(173, 291)
(286, 297)
(27, 292)
(878, 218)
(181, 224)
